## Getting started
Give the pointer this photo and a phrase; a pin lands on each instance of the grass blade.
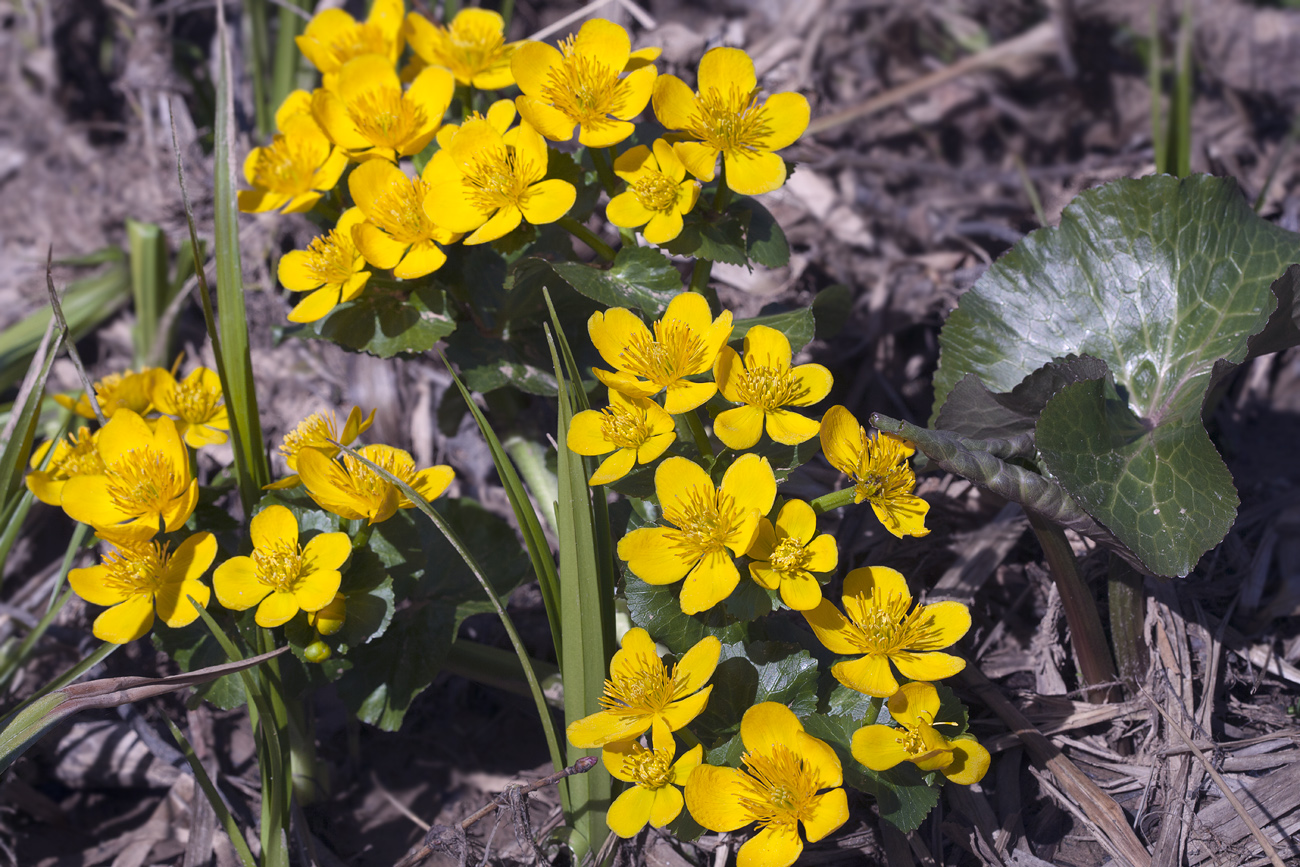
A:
(20, 431)
(150, 289)
(214, 797)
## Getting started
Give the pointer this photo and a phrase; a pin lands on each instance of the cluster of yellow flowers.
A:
(488, 175)
(133, 481)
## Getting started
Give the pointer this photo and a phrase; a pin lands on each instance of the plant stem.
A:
(833, 500)
(700, 272)
(873, 710)
(588, 237)
(603, 160)
(1127, 615)
(1086, 633)
(697, 432)
(722, 195)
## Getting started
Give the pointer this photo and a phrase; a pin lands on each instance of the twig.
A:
(643, 18)
(67, 336)
(581, 766)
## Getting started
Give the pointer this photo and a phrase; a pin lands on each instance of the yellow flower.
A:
(397, 234)
(334, 37)
(579, 84)
(146, 484)
(488, 183)
(706, 522)
(332, 269)
(77, 455)
(319, 431)
(878, 466)
(686, 341)
(197, 404)
(654, 796)
(765, 383)
(881, 630)
(636, 429)
(330, 619)
(962, 759)
(281, 575)
(727, 118)
(126, 390)
(298, 167)
(368, 115)
(643, 694)
(353, 490)
(474, 47)
(785, 556)
(786, 771)
(140, 577)
(659, 194)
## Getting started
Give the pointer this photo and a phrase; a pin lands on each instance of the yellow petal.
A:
(448, 204)
(630, 811)
(635, 89)
(739, 428)
(364, 75)
(295, 272)
(276, 609)
(751, 481)
(635, 162)
(316, 590)
(614, 331)
(869, 674)
(502, 223)
(601, 729)
(668, 162)
(326, 552)
(798, 521)
(700, 159)
(662, 228)
(91, 585)
(828, 812)
(614, 467)
(604, 42)
(714, 797)
(764, 544)
(236, 584)
(903, 516)
(432, 91)
(125, 622)
(315, 306)
(825, 554)
(545, 118)
(626, 211)
(832, 629)
(698, 664)
(879, 747)
(786, 115)
(927, 666)
(726, 69)
(531, 66)
(841, 437)
(604, 133)
(372, 179)
(768, 725)
(814, 382)
(674, 103)
(271, 525)
(615, 758)
(727, 371)
(970, 761)
(423, 257)
(667, 806)
(548, 200)
(656, 445)
(800, 592)
(767, 347)
(684, 396)
(626, 384)
(914, 703)
(332, 114)
(178, 511)
(173, 602)
(87, 499)
(946, 623)
(587, 434)
(752, 174)
(774, 846)
(709, 582)
(192, 557)
(864, 583)
(679, 481)
(790, 428)
(651, 557)
(432, 482)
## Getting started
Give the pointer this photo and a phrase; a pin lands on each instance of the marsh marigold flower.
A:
(878, 466)
(635, 429)
(581, 84)
(727, 118)
(334, 37)
(706, 521)
(140, 578)
(197, 404)
(654, 796)
(962, 759)
(784, 556)
(126, 390)
(76, 455)
(352, 490)
(331, 270)
(487, 183)
(784, 783)
(642, 693)
(765, 384)
(369, 116)
(319, 431)
(659, 194)
(298, 167)
(396, 234)
(882, 628)
(685, 341)
(473, 47)
(146, 484)
(282, 577)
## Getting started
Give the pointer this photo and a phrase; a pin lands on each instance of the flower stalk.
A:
(588, 237)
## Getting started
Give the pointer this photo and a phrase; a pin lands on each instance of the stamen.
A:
(625, 428)
(133, 569)
(648, 768)
(790, 557)
(498, 178)
(287, 165)
(143, 482)
(705, 522)
(732, 121)
(657, 192)
(279, 566)
(779, 787)
(356, 41)
(399, 211)
(583, 88)
(383, 117)
(194, 403)
(315, 431)
(330, 258)
(770, 388)
(646, 689)
(674, 351)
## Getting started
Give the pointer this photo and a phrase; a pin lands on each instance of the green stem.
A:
(700, 273)
(362, 536)
(1086, 632)
(214, 797)
(1127, 616)
(466, 101)
(833, 500)
(588, 237)
(697, 432)
(873, 710)
(722, 195)
(603, 160)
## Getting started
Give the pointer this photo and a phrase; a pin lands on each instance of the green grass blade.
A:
(1159, 146)
(287, 64)
(1180, 114)
(259, 41)
(251, 468)
(101, 653)
(539, 550)
(214, 797)
(20, 430)
(150, 289)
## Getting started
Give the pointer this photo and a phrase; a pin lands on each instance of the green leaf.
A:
(641, 278)
(1166, 281)
(749, 674)
(798, 326)
(974, 411)
(765, 243)
(386, 322)
(656, 609)
(717, 238)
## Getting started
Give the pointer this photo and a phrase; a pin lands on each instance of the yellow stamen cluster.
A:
(675, 348)
(383, 117)
(194, 402)
(883, 473)
(496, 179)
(770, 388)
(286, 166)
(143, 481)
(331, 257)
(649, 769)
(76, 456)
(279, 565)
(583, 88)
(704, 523)
(399, 211)
(657, 192)
(888, 625)
(135, 568)
(648, 689)
(779, 787)
(732, 120)
(626, 428)
(316, 431)
(790, 555)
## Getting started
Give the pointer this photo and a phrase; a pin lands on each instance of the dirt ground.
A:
(938, 149)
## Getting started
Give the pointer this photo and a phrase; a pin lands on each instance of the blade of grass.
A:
(259, 42)
(20, 431)
(287, 62)
(100, 653)
(214, 797)
(1180, 114)
(1155, 76)
(150, 288)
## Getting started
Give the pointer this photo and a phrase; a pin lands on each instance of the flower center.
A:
(116, 391)
(332, 258)
(790, 557)
(383, 117)
(779, 787)
(279, 565)
(625, 428)
(705, 522)
(656, 192)
(287, 165)
(645, 688)
(731, 121)
(399, 211)
(143, 482)
(356, 41)
(649, 769)
(770, 388)
(133, 569)
(674, 351)
(316, 431)
(194, 403)
(77, 456)
(497, 178)
(473, 46)
(583, 88)
(368, 484)
(888, 626)
(882, 471)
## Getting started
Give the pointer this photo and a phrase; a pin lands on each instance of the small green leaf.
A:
(641, 278)
(973, 411)
(656, 609)
(386, 322)
(798, 326)
(765, 243)
(749, 674)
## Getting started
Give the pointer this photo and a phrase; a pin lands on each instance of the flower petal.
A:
(752, 174)
(813, 381)
(604, 133)
(698, 664)
(378, 248)
(714, 798)
(630, 811)
(927, 666)
(614, 331)
(861, 586)
(548, 200)
(326, 552)
(587, 434)
(626, 211)
(651, 557)
(768, 725)
(315, 306)
(634, 163)
(667, 806)
(655, 446)
(316, 590)
(235, 582)
(173, 602)
(825, 554)
(684, 396)
(86, 499)
(739, 428)
(841, 437)
(274, 524)
(276, 609)
(674, 102)
(700, 159)
(903, 515)
(828, 812)
(945, 623)
(869, 674)
(767, 347)
(423, 257)
(914, 703)
(970, 761)
(531, 66)
(679, 481)
(614, 467)
(835, 632)
(662, 228)
(633, 92)
(601, 729)
(709, 582)
(545, 118)
(774, 846)
(91, 585)
(604, 42)
(879, 747)
(798, 521)
(786, 115)
(126, 621)
(725, 69)
(800, 592)
(751, 481)
(790, 428)
(432, 482)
